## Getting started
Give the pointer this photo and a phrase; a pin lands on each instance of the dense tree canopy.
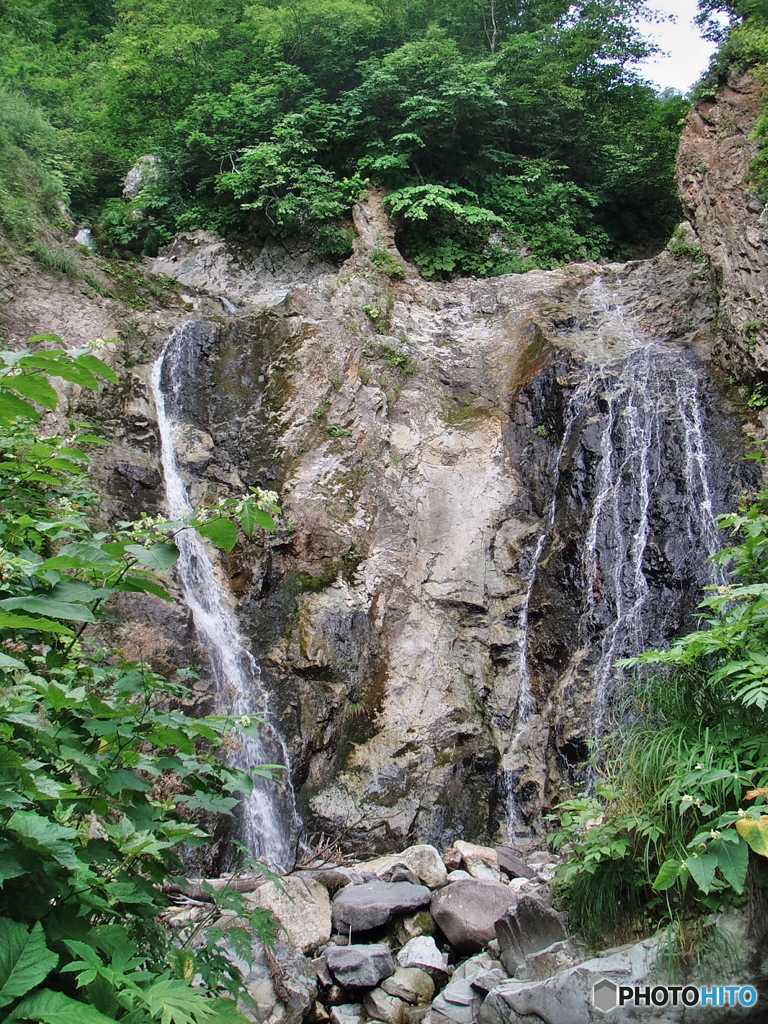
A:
(270, 117)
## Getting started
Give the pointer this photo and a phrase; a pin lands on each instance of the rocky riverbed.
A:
(469, 935)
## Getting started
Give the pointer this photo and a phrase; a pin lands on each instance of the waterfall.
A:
(631, 494)
(268, 815)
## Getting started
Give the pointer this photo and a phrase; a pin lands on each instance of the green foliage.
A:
(682, 246)
(524, 127)
(99, 760)
(388, 264)
(687, 801)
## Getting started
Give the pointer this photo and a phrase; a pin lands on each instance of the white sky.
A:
(688, 52)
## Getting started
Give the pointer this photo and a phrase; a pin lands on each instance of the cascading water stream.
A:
(268, 815)
(644, 443)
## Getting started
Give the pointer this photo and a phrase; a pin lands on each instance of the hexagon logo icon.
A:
(605, 995)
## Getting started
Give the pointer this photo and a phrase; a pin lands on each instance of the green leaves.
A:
(222, 532)
(25, 959)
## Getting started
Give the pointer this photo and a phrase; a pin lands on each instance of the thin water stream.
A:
(268, 815)
(634, 433)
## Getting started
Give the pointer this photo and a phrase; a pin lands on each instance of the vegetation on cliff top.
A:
(510, 133)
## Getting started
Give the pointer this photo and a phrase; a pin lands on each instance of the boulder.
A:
(479, 861)
(410, 984)
(281, 981)
(360, 966)
(459, 875)
(568, 995)
(406, 928)
(460, 1001)
(381, 1006)
(301, 905)
(526, 928)
(511, 864)
(546, 962)
(144, 172)
(348, 1013)
(422, 952)
(359, 908)
(467, 911)
(423, 860)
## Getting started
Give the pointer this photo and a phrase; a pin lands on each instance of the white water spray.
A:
(268, 814)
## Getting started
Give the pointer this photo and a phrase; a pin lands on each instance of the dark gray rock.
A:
(358, 908)
(360, 966)
(527, 928)
(511, 864)
(467, 911)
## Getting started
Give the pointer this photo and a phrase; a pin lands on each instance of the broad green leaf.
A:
(702, 868)
(175, 1002)
(62, 367)
(25, 959)
(79, 555)
(6, 661)
(10, 867)
(225, 1011)
(755, 832)
(34, 386)
(252, 516)
(136, 584)
(12, 408)
(56, 1008)
(49, 606)
(732, 860)
(158, 556)
(120, 780)
(78, 591)
(44, 836)
(222, 532)
(98, 367)
(90, 439)
(8, 620)
(668, 874)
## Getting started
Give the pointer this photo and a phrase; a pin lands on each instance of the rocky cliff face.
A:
(492, 490)
(729, 218)
(431, 616)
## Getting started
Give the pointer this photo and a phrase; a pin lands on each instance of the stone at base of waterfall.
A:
(568, 996)
(301, 905)
(423, 860)
(410, 984)
(546, 962)
(511, 864)
(460, 1001)
(422, 952)
(297, 982)
(459, 875)
(479, 861)
(360, 966)
(360, 908)
(526, 928)
(406, 928)
(384, 1007)
(467, 911)
(348, 1013)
